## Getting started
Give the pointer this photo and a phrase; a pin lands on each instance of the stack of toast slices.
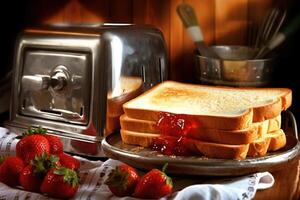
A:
(235, 122)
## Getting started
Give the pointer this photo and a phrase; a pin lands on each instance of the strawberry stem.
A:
(42, 163)
(32, 131)
(164, 167)
(70, 176)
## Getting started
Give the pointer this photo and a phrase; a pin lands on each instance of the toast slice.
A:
(277, 140)
(272, 141)
(259, 147)
(223, 108)
(274, 124)
(208, 149)
(245, 136)
(205, 134)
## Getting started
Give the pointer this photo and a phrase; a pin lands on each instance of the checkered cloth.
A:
(94, 173)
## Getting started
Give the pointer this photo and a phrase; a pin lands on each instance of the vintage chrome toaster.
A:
(74, 80)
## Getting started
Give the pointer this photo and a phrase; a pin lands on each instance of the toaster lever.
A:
(35, 82)
(58, 80)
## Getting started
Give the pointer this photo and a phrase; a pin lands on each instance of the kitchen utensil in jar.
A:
(189, 19)
(279, 38)
(270, 27)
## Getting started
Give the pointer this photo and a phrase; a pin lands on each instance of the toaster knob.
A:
(59, 80)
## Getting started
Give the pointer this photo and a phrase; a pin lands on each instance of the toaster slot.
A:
(52, 112)
(160, 70)
(63, 113)
(143, 73)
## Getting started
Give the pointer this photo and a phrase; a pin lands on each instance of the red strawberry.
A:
(153, 185)
(30, 146)
(122, 180)
(10, 170)
(60, 183)
(68, 161)
(32, 175)
(56, 146)
(30, 180)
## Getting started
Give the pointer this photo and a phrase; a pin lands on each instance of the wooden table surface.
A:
(287, 184)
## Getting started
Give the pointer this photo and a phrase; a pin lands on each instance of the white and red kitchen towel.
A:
(94, 173)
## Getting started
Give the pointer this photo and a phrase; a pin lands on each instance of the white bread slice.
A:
(272, 141)
(215, 107)
(255, 131)
(128, 88)
(278, 140)
(212, 150)
(205, 134)
(262, 128)
(274, 124)
(259, 147)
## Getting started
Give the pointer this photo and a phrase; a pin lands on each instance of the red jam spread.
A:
(175, 130)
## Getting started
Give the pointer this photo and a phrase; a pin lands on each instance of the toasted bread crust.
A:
(137, 125)
(274, 124)
(212, 150)
(205, 134)
(286, 99)
(272, 142)
(237, 122)
(277, 140)
(144, 140)
(268, 111)
(259, 147)
(225, 123)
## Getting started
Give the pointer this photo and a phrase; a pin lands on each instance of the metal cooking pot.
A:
(236, 68)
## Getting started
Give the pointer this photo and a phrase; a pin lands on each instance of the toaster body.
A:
(74, 80)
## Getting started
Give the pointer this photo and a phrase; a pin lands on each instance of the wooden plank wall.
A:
(222, 21)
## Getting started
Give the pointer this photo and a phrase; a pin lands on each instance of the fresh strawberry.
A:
(30, 180)
(153, 185)
(32, 175)
(122, 180)
(30, 146)
(68, 161)
(60, 183)
(10, 170)
(56, 146)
